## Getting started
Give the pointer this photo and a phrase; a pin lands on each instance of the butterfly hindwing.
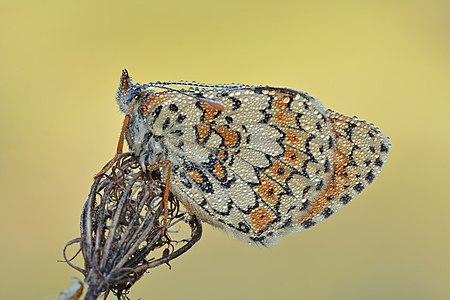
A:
(272, 162)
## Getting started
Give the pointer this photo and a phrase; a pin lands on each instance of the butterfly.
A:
(259, 162)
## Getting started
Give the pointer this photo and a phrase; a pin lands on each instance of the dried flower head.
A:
(121, 229)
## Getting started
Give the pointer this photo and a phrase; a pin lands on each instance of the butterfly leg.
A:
(119, 147)
(156, 166)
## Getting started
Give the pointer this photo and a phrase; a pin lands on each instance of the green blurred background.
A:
(387, 62)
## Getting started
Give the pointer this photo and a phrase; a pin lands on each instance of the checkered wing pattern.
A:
(272, 162)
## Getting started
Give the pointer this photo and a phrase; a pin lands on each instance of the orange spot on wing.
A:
(203, 131)
(209, 112)
(334, 188)
(219, 170)
(216, 105)
(196, 176)
(145, 108)
(293, 137)
(281, 102)
(291, 156)
(230, 138)
(267, 191)
(286, 118)
(260, 218)
(278, 171)
(221, 154)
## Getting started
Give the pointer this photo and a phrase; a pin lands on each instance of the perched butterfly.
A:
(257, 161)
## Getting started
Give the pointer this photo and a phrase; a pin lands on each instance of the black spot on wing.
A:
(345, 199)
(384, 148)
(236, 103)
(370, 177)
(181, 118)
(378, 162)
(308, 223)
(166, 124)
(327, 212)
(358, 187)
(173, 107)
(157, 112)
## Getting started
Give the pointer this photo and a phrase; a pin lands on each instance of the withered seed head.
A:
(121, 225)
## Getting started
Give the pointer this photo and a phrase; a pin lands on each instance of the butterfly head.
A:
(127, 93)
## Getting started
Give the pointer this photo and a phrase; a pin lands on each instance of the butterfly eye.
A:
(133, 94)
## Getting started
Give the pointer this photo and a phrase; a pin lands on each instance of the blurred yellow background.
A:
(387, 62)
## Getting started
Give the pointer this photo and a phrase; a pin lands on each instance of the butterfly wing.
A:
(273, 162)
